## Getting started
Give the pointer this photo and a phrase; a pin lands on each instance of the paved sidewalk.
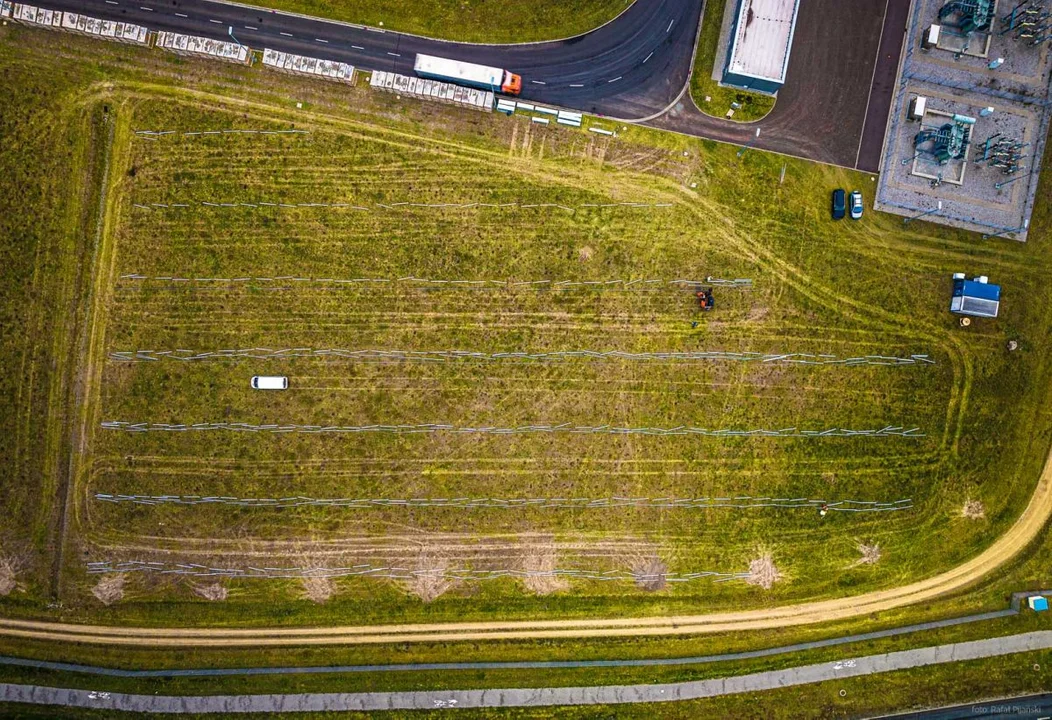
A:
(530, 697)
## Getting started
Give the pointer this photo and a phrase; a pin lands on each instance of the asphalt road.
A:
(752, 683)
(1035, 707)
(630, 68)
(826, 102)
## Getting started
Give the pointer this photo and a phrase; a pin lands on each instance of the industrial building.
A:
(762, 36)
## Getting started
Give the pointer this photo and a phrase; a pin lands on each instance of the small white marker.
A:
(647, 58)
(615, 79)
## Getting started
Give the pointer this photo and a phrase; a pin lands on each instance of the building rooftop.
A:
(971, 297)
(763, 37)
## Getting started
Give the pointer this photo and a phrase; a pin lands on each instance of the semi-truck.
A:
(470, 74)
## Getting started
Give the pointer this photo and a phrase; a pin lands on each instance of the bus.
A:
(470, 74)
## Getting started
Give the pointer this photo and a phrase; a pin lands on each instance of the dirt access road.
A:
(1025, 530)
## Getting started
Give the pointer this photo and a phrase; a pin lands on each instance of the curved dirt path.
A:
(1022, 533)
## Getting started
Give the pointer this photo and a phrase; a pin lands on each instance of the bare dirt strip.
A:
(1025, 530)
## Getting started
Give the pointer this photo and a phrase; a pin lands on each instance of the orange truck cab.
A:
(512, 84)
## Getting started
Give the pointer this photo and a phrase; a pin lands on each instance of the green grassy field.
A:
(753, 106)
(845, 289)
(483, 21)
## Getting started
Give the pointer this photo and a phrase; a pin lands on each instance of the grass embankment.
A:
(481, 21)
(753, 106)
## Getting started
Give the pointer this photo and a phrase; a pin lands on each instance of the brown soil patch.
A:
(318, 589)
(109, 589)
(585, 254)
(763, 572)
(213, 592)
(429, 581)
(541, 560)
(871, 553)
(650, 573)
(10, 567)
(974, 510)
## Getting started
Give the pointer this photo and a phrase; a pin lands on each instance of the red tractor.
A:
(705, 300)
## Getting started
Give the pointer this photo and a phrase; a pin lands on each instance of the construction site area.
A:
(970, 115)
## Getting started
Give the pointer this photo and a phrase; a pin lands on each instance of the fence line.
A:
(565, 428)
(154, 134)
(409, 279)
(740, 502)
(399, 205)
(393, 572)
(455, 355)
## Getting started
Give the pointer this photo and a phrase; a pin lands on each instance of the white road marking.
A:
(145, 8)
(615, 79)
(574, 85)
(670, 24)
(356, 47)
(217, 22)
(249, 27)
(538, 82)
(647, 58)
(177, 14)
(110, 2)
(320, 40)
(394, 54)
(287, 34)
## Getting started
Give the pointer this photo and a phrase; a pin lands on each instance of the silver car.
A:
(856, 205)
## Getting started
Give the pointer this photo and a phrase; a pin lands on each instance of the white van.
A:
(270, 382)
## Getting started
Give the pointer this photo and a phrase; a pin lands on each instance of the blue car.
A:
(839, 204)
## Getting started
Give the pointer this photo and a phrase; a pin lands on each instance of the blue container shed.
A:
(975, 297)
(1037, 603)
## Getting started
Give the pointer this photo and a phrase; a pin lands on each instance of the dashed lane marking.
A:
(615, 79)
(648, 57)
